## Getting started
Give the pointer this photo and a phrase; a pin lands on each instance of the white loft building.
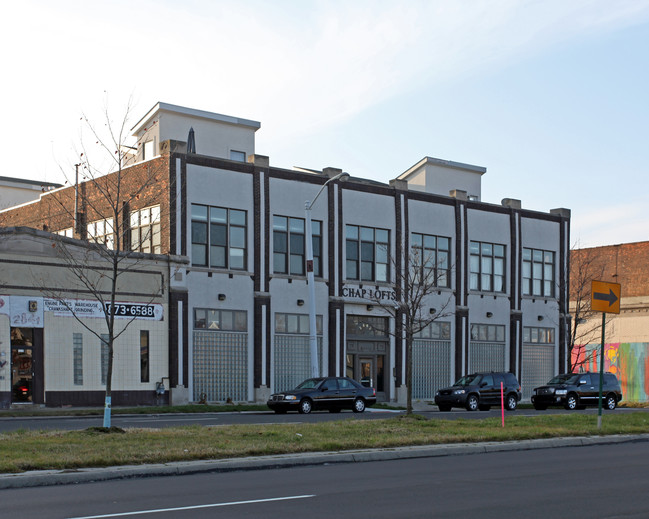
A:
(238, 313)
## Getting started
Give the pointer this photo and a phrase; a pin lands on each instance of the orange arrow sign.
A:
(605, 297)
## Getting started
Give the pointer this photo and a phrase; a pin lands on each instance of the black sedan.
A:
(332, 393)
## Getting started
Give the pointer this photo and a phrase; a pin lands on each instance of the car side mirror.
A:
(323, 389)
(484, 384)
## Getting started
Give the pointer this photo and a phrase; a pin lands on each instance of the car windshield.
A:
(567, 378)
(468, 380)
(309, 383)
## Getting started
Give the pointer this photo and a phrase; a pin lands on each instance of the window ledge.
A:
(295, 276)
(540, 298)
(194, 268)
(482, 294)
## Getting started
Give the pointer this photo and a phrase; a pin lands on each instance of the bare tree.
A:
(99, 208)
(585, 266)
(420, 276)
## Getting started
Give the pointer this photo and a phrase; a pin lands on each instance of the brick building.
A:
(238, 326)
(627, 334)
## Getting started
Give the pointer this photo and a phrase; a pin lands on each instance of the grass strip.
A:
(39, 450)
(99, 411)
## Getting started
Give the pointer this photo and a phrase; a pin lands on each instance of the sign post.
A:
(605, 297)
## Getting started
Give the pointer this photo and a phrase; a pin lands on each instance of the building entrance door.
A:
(22, 366)
(368, 370)
(368, 353)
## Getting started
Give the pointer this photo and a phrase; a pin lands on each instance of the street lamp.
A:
(313, 343)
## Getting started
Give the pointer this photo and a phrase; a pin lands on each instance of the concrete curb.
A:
(65, 477)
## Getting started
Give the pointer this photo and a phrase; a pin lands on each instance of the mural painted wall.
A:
(628, 360)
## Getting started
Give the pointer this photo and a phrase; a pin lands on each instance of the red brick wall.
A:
(627, 264)
(141, 185)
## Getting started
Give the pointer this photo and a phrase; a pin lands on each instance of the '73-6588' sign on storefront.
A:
(131, 310)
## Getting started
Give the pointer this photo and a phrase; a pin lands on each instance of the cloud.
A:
(296, 66)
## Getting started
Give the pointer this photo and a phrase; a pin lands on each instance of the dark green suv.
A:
(578, 390)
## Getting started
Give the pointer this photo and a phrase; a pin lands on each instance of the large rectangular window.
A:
(487, 267)
(145, 230)
(488, 332)
(219, 237)
(102, 232)
(144, 355)
(367, 253)
(220, 320)
(296, 324)
(289, 246)
(537, 335)
(538, 272)
(438, 331)
(431, 255)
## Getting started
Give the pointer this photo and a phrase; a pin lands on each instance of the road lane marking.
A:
(195, 507)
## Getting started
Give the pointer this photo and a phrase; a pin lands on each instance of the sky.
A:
(552, 97)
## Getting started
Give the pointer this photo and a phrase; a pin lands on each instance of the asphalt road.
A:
(8, 424)
(605, 481)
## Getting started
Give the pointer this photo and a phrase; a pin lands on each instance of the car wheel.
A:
(611, 402)
(305, 406)
(444, 408)
(484, 407)
(540, 407)
(359, 405)
(511, 402)
(571, 403)
(472, 403)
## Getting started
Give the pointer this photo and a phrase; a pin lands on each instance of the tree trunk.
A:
(408, 373)
(109, 379)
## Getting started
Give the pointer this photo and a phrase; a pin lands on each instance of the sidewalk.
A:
(65, 477)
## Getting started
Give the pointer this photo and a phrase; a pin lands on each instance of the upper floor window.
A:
(487, 266)
(538, 272)
(432, 257)
(238, 155)
(537, 335)
(102, 232)
(220, 320)
(219, 237)
(439, 331)
(145, 230)
(367, 253)
(289, 242)
(296, 324)
(488, 332)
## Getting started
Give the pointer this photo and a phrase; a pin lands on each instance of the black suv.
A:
(577, 390)
(480, 391)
